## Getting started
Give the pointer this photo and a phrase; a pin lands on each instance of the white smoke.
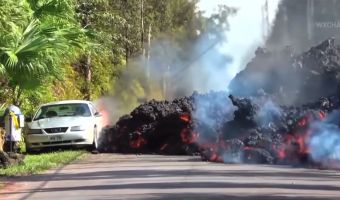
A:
(324, 143)
(268, 112)
(248, 30)
(208, 66)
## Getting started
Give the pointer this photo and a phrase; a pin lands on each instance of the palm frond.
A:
(11, 59)
(51, 8)
(2, 69)
(29, 53)
(31, 29)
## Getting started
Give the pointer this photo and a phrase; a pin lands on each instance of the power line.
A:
(177, 74)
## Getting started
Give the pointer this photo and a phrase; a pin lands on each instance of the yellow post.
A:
(2, 139)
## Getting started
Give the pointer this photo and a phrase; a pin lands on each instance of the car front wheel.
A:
(95, 141)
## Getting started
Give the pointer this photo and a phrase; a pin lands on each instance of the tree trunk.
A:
(124, 7)
(2, 139)
(88, 77)
(142, 27)
(14, 96)
(126, 45)
(126, 54)
(148, 54)
(17, 91)
(146, 57)
(85, 63)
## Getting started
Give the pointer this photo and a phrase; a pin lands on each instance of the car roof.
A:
(66, 102)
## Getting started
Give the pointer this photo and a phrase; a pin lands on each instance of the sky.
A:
(245, 32)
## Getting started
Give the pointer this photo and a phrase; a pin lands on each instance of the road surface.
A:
(151, 177)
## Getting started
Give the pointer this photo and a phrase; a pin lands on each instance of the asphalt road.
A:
(151, 177)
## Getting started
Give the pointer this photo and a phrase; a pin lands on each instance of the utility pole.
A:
(148, 54)
(310, 19)
(265, 21)
(142, 27)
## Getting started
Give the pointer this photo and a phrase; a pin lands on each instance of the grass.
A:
(34, 164)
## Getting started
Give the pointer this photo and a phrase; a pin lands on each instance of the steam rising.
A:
(206, 64)
(249, 28)
(268, 112)
(238, 44)
(325, 140)
(209, 64)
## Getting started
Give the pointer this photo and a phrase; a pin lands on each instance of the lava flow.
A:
(237, 129)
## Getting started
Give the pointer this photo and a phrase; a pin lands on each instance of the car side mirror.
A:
(97, 114)
(28, 119)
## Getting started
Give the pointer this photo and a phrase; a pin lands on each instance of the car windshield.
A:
(63, 110)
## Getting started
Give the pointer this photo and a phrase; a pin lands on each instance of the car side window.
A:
(93, 109)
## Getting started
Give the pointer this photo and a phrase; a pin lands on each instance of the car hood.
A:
(59, 122)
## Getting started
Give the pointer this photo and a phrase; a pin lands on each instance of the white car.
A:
(64, 123)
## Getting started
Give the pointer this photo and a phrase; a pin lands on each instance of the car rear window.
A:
(63, 110)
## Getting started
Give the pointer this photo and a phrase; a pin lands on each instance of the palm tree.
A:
(29, 54)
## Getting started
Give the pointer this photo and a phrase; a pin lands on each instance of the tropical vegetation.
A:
(79, 49)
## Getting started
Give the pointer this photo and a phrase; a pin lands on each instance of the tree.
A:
(180, 35)
(31, 50)
(96, 65)
(63, 49)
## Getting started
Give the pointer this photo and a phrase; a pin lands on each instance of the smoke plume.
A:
(324, 142)
(205, 64)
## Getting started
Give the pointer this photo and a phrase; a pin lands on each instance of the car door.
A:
(97, 117)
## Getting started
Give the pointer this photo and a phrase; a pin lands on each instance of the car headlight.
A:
(78, 128)
(34, 131)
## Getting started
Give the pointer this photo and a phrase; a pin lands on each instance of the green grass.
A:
(34, 164)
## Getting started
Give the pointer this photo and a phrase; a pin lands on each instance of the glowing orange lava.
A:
(297, 143)
(185, 117)
(138, 142)
(188, 137)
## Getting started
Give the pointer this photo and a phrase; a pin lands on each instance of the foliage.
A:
(76, 49)
(31, 52)
(176, 29)
(34, 164)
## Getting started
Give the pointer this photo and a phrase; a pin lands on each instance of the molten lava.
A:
(259, 126)
(188, 137)
(295, 145)
(185, 117)
(137, 142)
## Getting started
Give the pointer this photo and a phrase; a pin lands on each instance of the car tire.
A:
(30, 151)
(95, 139)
